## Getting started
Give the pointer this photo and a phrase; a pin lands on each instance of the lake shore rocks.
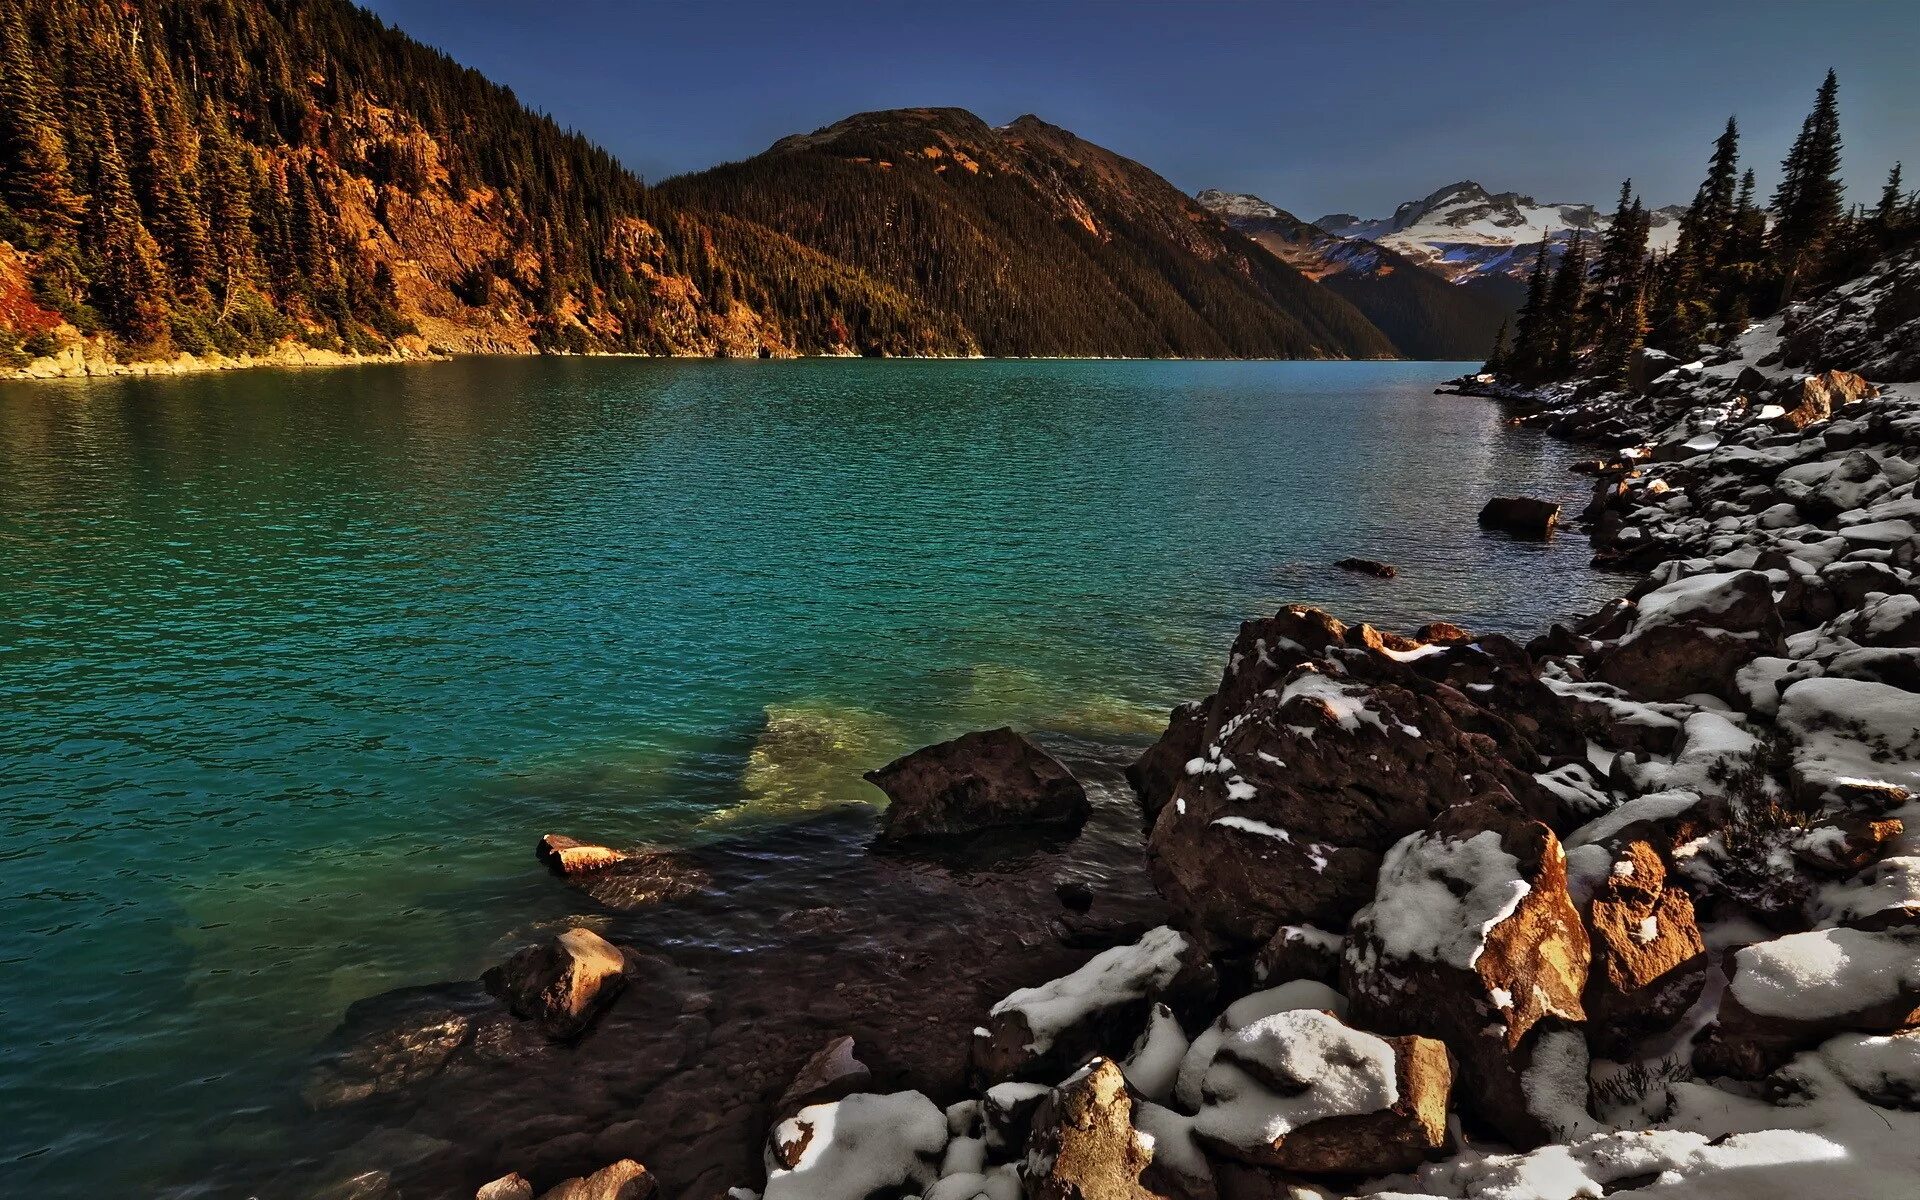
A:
(992, 779)
(1635, 905)
(1524, 516)
(562, 984)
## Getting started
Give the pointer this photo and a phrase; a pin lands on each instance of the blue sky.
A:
(1319, 107)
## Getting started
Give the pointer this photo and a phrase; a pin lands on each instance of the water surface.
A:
(294, 667)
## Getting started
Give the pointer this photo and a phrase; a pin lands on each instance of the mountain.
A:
(1424, 315)
(1463, 231)
(241, 176)
(1034, 240)
(233, 176)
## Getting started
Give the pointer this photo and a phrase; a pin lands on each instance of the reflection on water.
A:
(297, 666)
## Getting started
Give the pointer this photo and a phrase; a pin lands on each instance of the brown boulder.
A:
(1816, 397)
(1521, 515)
(1283, 818)
(624, 1180)
(1473, 939)
(1848, 842)
(1649, 962)
(1264, 652)
(833, 1073)
(571, 856)
(1794, 992)
(507, 1187)
(1085, 1146)
(1156, 773)
(1693, 635)
(561, 985)
(1301, 1091)
(1047, 1031)
(983, 780)
(640, 878)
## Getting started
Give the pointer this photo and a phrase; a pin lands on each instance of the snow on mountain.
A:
(1463, 231)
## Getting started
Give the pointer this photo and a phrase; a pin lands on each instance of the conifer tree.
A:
(1497, 360)
(1565, 302)
(1531, 334)
(35, 177)
(1807, 204)
(1890, 214)
(1710, 218)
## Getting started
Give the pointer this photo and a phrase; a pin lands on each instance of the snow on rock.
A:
(854, 1147)
(1693, 635)
(1883, 1068)
(1101, 1008)
(1792, 992)
(1852, 738)
(1473, 939)
(1154, 1063)
(1299, 994)
(1302, 1091)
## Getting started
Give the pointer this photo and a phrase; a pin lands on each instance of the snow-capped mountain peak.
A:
(1463, 231)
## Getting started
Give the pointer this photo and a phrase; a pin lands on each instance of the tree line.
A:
(1591, 308)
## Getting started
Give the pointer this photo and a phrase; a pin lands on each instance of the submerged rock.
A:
(562, 984)
(624, 1180)
(564, 855)
(1522, 515)
(989, 779)
(1368, 566)
(831, 1074)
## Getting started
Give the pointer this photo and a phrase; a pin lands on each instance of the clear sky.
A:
(1318, 107)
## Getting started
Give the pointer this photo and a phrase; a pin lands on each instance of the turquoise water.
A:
(294, 667)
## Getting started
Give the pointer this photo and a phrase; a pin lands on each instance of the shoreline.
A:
(74, 363)
(1729, 731)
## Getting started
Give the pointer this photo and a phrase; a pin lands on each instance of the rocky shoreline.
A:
(1632, 908)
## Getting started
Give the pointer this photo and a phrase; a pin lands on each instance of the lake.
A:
(296, 666)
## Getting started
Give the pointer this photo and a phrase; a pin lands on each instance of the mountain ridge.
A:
(1425, 316)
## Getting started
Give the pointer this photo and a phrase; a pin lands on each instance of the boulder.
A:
(983, 780)
(1816, 397)
(562, 984)
(857, 1147)
(1693, 635)
(1156, 773)
(1521, 515)
(641, 878)
(1301, 1091)
(570, 856)
(1647, 365)
(1283, 818)
(1847, 842)
(508, 1187)
(1473, 939)
(833, 1073)
(1368, 566)
(1649, 962)
(1047, 1031)
(1792, 993)
(1085, 1146)
(624, 1180)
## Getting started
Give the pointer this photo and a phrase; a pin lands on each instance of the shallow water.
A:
(294, 667)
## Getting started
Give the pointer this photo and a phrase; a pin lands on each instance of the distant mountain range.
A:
(1425, 313)
(250, 176)
(1463, 230)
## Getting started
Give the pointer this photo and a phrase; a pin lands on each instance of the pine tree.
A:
(1710, 218)
(129, 284)
(1565, 300)
(1889, 215)
(1531, 335)
(1807, 204)
(35, 177)
(1497, 360)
